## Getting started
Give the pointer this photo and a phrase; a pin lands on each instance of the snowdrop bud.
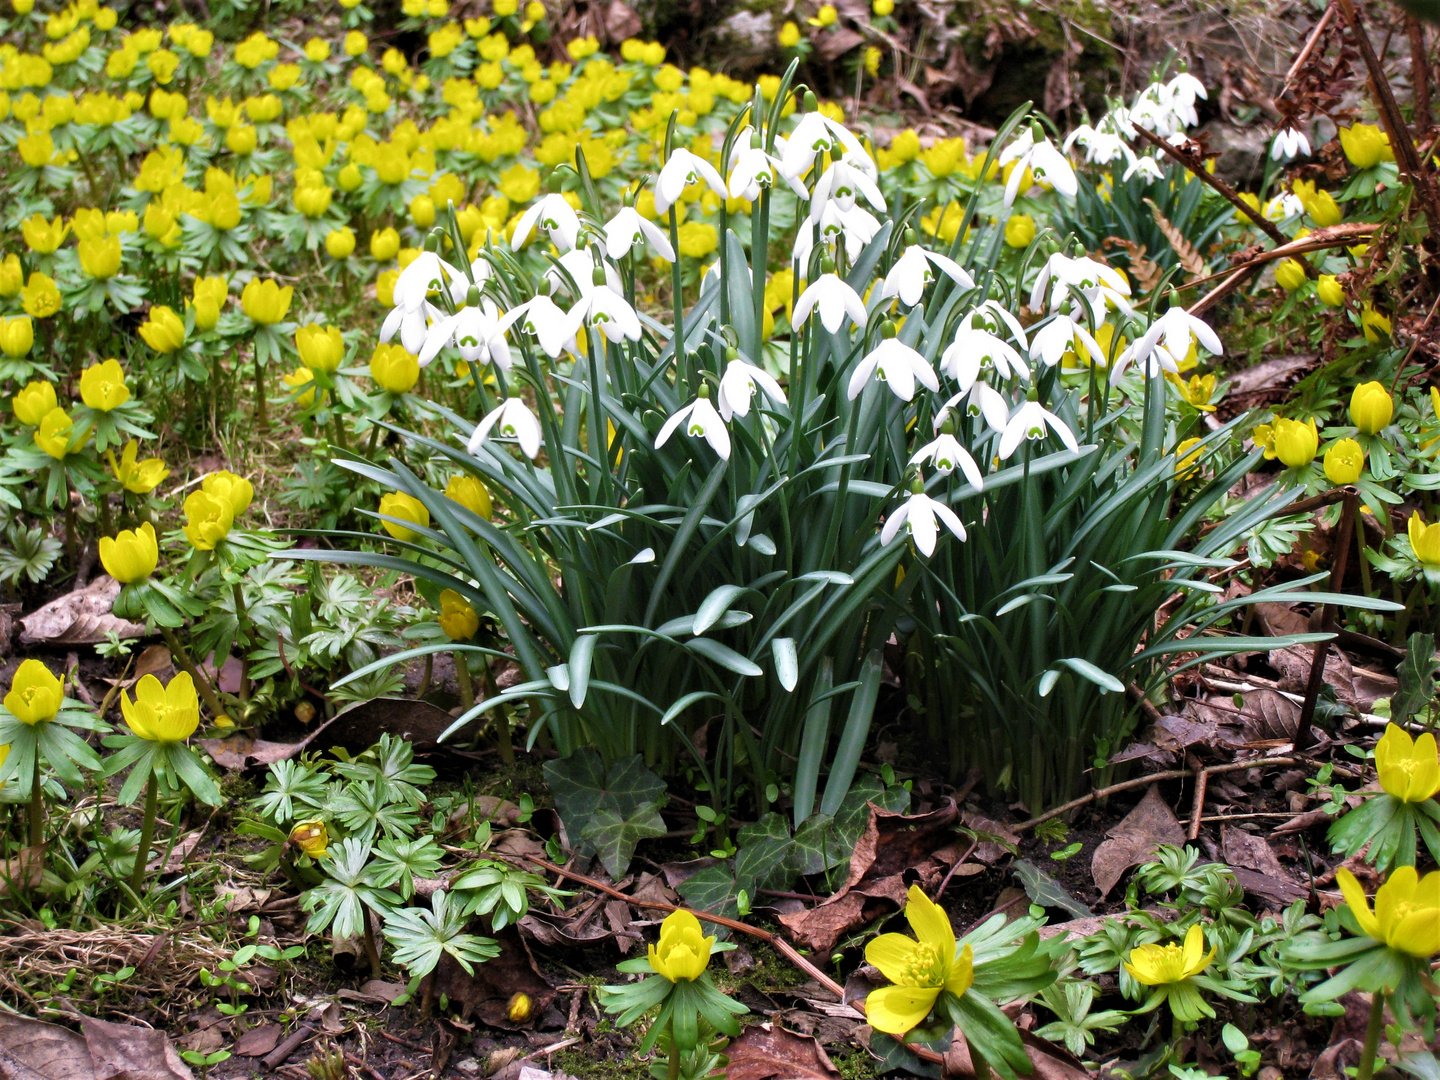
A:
(1032, 394)
(948, 427)
(556, 182)
(544, 286)
(1077, 249)
(472, 296)
(811, 101)
(911, 237)
(887, 330)
(597, 275)
(703, 391)
(731, 353)
(917, 485)
(827, 265)
(432, 242)
(1036, 133)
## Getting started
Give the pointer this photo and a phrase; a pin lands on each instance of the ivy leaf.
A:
(763, 860)
(712, 889)
(1417, 678)
(1046, 891)
(614, 837)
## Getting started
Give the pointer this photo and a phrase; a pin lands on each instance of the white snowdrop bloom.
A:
(580, 265)
(834, 298)
(701, 421)
(480, 272)
(604, 309)
(1144, 165)
(552, 326)
(896, 365)
(511, 419)
(856, 227)
(1183, 89)
(413, 326)
(1060, 335)
(624, 230)
(981, 399)
(813, 135)
(1101, 145)
(752, 169)
(1167, 342)
(843, 182)
(1044, 162)
(993, 318)
(1289, 143)
(1096, 285)
(975, 349)
(1031, 421)
(738, 385)
(912, 272)
(946, 454)
(681, 170)
(478, 333)
(918, 513)
(427, 273)
(553, 214)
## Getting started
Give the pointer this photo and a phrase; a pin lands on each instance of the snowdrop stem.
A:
(760, 242)
(676, 299)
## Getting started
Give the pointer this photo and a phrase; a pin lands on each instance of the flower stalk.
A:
(147, 836)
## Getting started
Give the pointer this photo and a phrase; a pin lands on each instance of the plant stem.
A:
(242, 639)
(147, 834)
(202, 685)
(37, 805)
(672, 1069)
(1372, 1037)
(370, 950)
(1177, 1038)
(467, 687)
(260, 420)
(502, 721)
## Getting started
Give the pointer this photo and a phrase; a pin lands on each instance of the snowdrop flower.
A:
(623, 232)
(895, 364)
(1183, 89)
(478, 333)
(752, 169)
(1031, 421)
(911, 273)
(1044, 162)
(580, 266)
(606, 310)
(1102, 146)
(918, 513)
(738, 385)
(1091, 282)
(548, 323)
(681, 170)
(945, 453)
(1174, 329)
(428, 273)
(975, 348)
(1289, 143)
(1058, 336)
(981, 399)
(512, 420)
(701, 421)
(553, 214)
(413, 326)
(813, 135)
(856, 226)
(834, 298)
(1145, 165)
(843, 182)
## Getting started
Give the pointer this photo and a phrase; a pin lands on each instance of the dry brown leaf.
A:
(768, 1052)
(23, 870)
(258, 1041)
(1190, 259)
(1135, 839)
(1146, 272)
(32, 1050)
(82, 617)
(1249, 851)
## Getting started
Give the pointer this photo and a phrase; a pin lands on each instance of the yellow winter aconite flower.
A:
(1343, 461)
(385, 244)
(340, 243)
(406, 507)
(1163, 965)
(35, 694)
(321, 348)
(1409, 768)
(789, 36)
(683, 952)
(394, 368)
(12, 276)
(1019, 230)
(919, 968)
(517, 1011)
(163, 330)
(1371, 407)
(1295, 443)
(34, 403)
(1330, 291)
(102, 386)
(140, 477)
(1373, 324)
(55, 433)
(1424, 540)
(40, 297)
(266, 302)
(234, 490)
(470, 493)
(17, 336)
(1407, 909)
(457, 618)
(1187, 458)
(1365, 145)
(1198, 391)
(41, 236)
(162, 713)
(207, 520)
(311, 837)
(301, 376)
(130, 555)
(100, 258)
(209, 295)
(1290, 275)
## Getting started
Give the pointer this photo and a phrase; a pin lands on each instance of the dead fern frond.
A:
(1190, 259)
